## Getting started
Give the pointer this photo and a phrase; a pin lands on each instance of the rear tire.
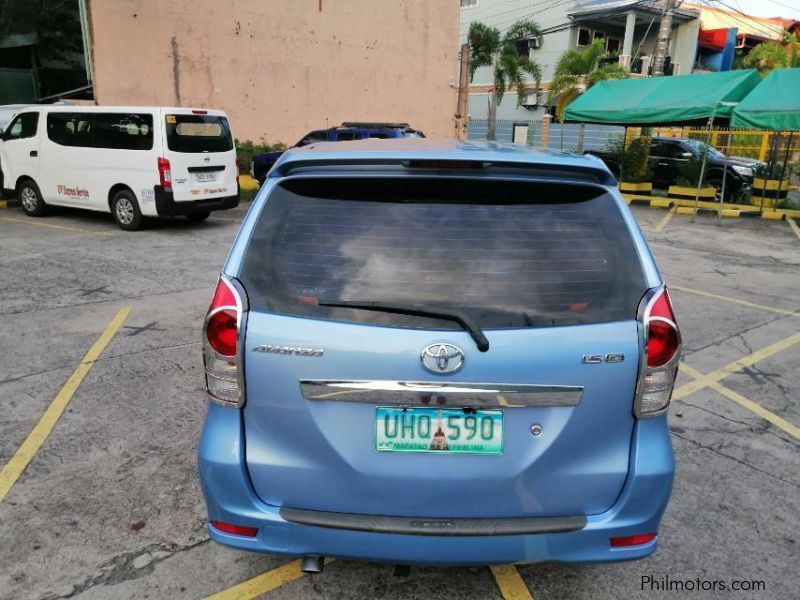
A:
(30, 199)
(125, 210)
(199, 216)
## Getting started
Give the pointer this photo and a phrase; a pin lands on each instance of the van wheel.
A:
(199, 216)
(30, 199)
(126, 211)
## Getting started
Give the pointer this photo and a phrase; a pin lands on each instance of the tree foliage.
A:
(773, 55)
(490, 48)
(579, 69)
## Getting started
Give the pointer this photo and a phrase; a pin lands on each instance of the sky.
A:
(766, 8)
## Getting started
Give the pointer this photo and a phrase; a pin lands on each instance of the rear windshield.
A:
(198, 133)
(510, 254)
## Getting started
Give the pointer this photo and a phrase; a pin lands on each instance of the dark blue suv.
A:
(347, 131)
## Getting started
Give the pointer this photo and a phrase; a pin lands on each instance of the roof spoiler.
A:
(438, 166)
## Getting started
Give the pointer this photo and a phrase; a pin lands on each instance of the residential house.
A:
(629, 29)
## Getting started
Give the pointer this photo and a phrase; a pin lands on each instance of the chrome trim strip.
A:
(426, 393)
(436, 526)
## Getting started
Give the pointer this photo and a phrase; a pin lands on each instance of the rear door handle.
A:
(34, 153)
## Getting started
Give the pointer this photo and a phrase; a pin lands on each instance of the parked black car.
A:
(668, 154)
(347, 131)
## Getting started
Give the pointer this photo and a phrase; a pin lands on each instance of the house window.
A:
(468, 3)
(599, 35)
(584, 36)
(613, 45)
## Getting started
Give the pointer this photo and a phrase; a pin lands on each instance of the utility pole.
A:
(664, 32)
(461, 105)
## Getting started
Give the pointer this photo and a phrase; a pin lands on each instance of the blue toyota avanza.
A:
(441, 353)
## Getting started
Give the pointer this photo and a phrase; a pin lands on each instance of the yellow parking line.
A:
(663, 222)
(510, 583)
(15, 467)
(261, 584)
(753, 407)
(780, 311)
(794, 226)
(53, 226)
(737, 365)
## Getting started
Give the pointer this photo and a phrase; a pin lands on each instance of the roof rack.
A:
(374, 125)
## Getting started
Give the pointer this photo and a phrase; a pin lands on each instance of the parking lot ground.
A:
(109, 505)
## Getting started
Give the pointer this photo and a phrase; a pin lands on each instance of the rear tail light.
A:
(235, 529)
(221, 345)
(164, 173)
(661, 355)
(237, 170)
(632, 540)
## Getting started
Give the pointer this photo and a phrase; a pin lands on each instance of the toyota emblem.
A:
(442, 358)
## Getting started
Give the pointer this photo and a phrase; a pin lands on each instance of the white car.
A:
(133, 162)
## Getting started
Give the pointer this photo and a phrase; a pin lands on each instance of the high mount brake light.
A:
(661, 354)
(220, 345)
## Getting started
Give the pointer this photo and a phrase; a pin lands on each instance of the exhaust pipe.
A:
(312, 564)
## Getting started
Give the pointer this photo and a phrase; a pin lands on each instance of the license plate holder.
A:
(206, 177)
(438, 430)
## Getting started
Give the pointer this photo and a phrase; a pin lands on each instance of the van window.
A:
(198, 133)
(24, 126)
(123, 131)
(510, 254)
(70, 129)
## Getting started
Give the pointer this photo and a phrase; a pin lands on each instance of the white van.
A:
(133, 162)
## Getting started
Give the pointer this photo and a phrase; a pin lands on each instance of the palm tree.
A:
(578, 70)
(508, 54)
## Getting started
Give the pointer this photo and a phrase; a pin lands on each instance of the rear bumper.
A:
(166, 206)
(230, 498)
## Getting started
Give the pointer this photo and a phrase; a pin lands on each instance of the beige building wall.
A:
(281, 67)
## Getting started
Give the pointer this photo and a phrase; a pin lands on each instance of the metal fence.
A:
(734, 142)
(752, 143)
(561, 136)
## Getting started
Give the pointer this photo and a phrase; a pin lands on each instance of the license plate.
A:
(203, 177)
(442, 430)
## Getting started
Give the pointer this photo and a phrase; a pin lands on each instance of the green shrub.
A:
(634, 159)
(247, 149)
(689, 173)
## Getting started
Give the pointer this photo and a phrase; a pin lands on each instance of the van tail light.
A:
(221, 355)
(164, 173)
(662, 352)
(237, 170)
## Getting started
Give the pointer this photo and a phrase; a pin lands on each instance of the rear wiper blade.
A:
(434, 312)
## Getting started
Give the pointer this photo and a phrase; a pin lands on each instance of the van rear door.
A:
(201, 155)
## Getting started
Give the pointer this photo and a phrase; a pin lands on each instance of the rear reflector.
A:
(235, 529)
(632, 540)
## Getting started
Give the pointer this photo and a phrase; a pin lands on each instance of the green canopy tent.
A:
(675, 100)
(774, 104)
